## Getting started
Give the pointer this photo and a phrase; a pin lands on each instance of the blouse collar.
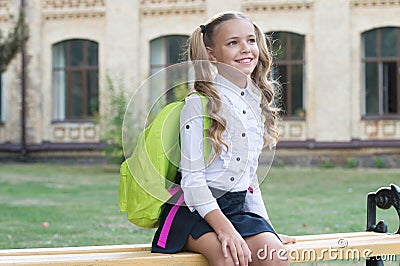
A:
(228, 88)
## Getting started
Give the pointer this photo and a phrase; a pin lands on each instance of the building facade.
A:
(338, 61)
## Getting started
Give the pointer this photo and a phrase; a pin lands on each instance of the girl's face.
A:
(235, 45)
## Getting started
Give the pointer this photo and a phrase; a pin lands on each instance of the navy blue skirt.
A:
(187, 223)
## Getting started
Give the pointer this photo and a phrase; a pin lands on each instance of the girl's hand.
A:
(238, 248)
(287, 239)
(229, 238)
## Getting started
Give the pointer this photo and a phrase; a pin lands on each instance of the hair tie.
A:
(203, 29)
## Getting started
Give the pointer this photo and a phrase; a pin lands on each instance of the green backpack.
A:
(150, 171)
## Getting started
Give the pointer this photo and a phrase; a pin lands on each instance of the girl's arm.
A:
(194, 185)
(229, 238)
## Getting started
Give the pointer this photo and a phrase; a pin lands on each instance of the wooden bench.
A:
(345, 246)
(376, 246)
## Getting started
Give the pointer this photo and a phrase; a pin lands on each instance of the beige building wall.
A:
(124, 29)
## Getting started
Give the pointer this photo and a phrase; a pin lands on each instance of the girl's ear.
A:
(211, 54)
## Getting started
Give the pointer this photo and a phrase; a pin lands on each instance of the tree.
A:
(13, 42)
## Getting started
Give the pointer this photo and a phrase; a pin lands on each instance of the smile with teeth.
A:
(244, 60)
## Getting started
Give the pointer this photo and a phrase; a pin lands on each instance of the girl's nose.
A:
(245, 48)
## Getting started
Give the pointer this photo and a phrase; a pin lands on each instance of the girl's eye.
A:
(252, 40)
(232, 43)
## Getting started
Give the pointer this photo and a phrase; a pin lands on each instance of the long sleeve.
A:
(254, 201)
(194, 185)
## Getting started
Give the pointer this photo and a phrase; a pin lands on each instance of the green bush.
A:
(113, 123)
(351, 163)
(326, 165)
(379, 163)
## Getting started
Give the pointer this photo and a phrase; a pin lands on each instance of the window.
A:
(75, 80)
(381, 61)
(164, 52)
(2, 106)
(289, 70)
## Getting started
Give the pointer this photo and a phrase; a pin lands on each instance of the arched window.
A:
(164, 52)
(290, 71)
(75, 80)
(381, 62)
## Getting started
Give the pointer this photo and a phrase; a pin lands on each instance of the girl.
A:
(225, 218)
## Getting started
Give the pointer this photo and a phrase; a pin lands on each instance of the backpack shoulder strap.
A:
(206, 123)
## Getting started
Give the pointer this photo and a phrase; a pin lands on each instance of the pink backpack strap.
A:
(162, 240)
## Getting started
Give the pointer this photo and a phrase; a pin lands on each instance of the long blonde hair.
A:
(261, 78)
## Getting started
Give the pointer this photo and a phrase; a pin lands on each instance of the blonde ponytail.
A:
(204, 84)
(262, 77)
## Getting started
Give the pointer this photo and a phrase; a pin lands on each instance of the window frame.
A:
(154, 68)
(290, 63)
(2, 99)
(84, 70)
(380, 60)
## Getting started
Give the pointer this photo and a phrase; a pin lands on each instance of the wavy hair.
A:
(200, 39)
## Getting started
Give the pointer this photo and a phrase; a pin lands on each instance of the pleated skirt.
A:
(187, 223)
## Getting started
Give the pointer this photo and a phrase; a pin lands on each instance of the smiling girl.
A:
(224, 216)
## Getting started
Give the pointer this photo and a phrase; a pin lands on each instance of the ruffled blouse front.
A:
(235, 168)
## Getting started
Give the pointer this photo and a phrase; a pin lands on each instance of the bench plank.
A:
(344, 247)
(334, 236)
(308, 248)
(115, 258)
(146, 247)
(75, 250)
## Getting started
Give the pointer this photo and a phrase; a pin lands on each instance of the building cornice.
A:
(374, 3)
(273, 6)
(151, 8)
(73, 9)
(72, 4)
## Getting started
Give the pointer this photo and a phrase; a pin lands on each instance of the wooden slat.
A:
(109, 259)
(308, 248)
(75, 250)
(334, 236)
(344, 246)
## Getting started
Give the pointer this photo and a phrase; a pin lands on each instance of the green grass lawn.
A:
(79, 203)
(313, 201)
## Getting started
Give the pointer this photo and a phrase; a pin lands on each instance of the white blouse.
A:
(235, 168)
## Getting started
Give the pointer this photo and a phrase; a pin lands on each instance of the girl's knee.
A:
(271, 256)
(216, 258)
(220, 260)
(210, 247)
(267, 249)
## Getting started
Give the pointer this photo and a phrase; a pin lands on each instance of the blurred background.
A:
(338, 63)
(69, 68)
